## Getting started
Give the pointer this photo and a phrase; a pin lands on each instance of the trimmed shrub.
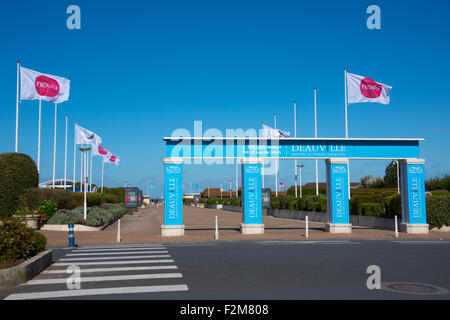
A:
(17, 172)
(17, 241)
(96, 216)
(438, 211)
(39, 242)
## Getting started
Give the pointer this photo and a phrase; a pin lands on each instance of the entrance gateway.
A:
(335, 151)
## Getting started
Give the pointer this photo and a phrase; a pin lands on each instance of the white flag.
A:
(39, 86)
(114, 159)
(362, 89)
(84, 136)
(100, 151)
(269, 132)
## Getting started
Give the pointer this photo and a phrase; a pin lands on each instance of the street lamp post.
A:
(230, 186)
(300, 182)
(84, 150)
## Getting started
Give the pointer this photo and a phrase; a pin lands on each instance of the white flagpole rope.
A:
(103, 169)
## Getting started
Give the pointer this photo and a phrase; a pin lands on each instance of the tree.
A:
(390, 176)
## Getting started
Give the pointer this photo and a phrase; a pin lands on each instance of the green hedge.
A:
(118, 192)
(31, 198)
(438, 211)
(17, 241)
(65, 199)
(17, 172)
(96, 216)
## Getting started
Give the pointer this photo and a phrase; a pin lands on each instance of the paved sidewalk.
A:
(200, 226)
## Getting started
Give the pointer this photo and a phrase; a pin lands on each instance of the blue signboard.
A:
(173, 194)
(251, 200)
(293, 148)
(416, 193)
(337, 193)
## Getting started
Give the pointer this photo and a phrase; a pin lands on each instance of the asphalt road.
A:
(287, 270)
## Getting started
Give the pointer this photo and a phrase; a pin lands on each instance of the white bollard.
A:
(118, 231)
(216, 234)
(396, 227)
(307, 231)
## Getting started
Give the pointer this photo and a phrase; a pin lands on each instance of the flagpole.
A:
(81, 171)
(236, 180)
(103, 168)
(276, 161)
(315, 136)
(90, 174)
(346, 126)
(74, 155)
(346, 104)
(54, 145)
(295, 136)
(39, 137)
(17, 108)
(65, 157)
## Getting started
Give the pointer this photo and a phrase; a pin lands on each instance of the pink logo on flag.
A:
(102, 151)
(113, 159)
(370, 89)
(46, 86)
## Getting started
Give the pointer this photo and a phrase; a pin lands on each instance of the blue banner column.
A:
(337, 196)
(251, 197)
(173, 198)
(414, 211)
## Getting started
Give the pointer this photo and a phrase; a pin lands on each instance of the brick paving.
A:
(200, 226)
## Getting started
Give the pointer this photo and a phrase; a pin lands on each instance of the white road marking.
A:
(422, 242)
(305, 242)
(116, 258)
(103, 291)
(114, 269)
(113, 253)
(112, 262)
(192, 245)
(119, 249)
(113, 246)
(109, 278)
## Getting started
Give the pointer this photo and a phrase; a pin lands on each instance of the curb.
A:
(26, 270)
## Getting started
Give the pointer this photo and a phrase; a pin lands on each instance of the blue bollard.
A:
(71, 237)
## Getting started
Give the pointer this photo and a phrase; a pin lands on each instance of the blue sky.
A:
(141, 69)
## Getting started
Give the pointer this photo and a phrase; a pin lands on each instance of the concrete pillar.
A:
(173, 198)
(412, 180)
(251, 197)
(337, 196)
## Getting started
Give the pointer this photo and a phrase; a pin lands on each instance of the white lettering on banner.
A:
(318, 148)
(172, 198)
(415, 197)
(339, 199)
(251, 198)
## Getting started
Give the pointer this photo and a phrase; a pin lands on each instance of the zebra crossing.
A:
(105, 271)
